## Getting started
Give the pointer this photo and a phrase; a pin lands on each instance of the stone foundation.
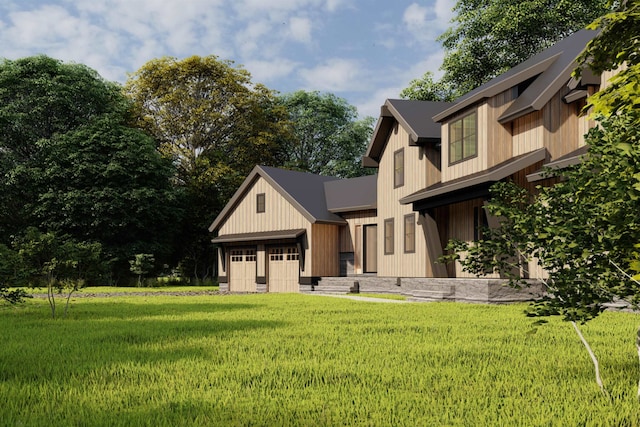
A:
(430, 289)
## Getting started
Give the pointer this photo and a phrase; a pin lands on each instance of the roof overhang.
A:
(570, 159)
(260, 236)
(473, 186)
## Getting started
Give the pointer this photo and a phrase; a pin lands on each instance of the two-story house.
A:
(435, 163)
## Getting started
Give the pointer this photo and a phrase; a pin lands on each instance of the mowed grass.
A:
(278, 360)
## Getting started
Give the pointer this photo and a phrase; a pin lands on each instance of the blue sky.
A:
(362, 50)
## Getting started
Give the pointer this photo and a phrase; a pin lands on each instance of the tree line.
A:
(144, 168)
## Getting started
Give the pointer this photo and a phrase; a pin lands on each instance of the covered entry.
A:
(284, 269)
(242, 270)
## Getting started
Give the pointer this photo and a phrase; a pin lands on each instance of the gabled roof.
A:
(414, 116)
(354, 194)
(305, 191)
(551, 68)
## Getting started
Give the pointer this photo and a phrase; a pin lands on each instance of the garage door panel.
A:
(242, 274)
(284, 267)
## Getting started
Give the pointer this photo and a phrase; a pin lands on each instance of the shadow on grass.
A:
(110, 332)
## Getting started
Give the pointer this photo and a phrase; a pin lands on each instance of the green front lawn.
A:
(274, 360)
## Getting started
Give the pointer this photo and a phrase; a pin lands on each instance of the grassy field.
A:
(277, 360)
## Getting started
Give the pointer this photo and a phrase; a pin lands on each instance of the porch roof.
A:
(260, 236)
(570, 159)
(465, 188)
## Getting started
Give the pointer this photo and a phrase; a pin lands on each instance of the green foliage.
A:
(327, 137)
(426, 89)
(491, 36)
(9, 272)
(142, 264)
(57, 263)
(616, 48)
(585, 229)
(308, 360)
(215, 125)
(106, 182)
(41, 97)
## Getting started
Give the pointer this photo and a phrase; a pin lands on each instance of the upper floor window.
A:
(463, 138)
(260, 203)
(398, 168)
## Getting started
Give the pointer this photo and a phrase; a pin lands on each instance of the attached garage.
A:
(284, 269)
(242, 270)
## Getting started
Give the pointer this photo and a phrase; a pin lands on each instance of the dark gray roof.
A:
(348, 195)
(414, 116)
(305, 191)
(569, 159)
(551, 68)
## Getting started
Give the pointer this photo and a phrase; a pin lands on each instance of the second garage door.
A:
(284, 268)
(242, 275)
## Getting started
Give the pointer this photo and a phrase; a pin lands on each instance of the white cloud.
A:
(426, 23)
(335, 75)
(267, 71)
(300, 29)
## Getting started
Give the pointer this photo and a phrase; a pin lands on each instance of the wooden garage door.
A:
(284, 265)
(242, 275)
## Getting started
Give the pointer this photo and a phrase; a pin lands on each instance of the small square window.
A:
(260, 203)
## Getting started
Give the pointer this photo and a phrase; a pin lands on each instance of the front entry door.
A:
(370, 248)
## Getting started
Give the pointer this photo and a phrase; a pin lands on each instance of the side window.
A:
(410, 233)
(398, 168)
(260, 203)
(388, 236)
(463, 138)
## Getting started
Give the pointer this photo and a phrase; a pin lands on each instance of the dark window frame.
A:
(261, 203)
(461, 141)
(410, 219)
(389, 240)
(398, 181)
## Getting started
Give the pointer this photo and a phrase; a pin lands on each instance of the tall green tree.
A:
(327, 138)
(72, 164)
(215, 125)
(490, 36)
(41, 97)
(106, 182)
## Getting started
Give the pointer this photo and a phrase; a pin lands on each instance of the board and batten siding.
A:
(325, 245)
(279, 214)
(348, 232)
(498, 135)
(562, 128)
(416, 162)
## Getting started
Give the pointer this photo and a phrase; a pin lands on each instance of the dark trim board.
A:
(476, 192)
(306, 280)
(223, 279)
(261, 280)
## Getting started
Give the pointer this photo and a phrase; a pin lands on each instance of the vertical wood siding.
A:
(348, 232)
(498, 136)
(527, 133)
(561, 126)
(416, 168)
(279, 215)
(325, 250)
